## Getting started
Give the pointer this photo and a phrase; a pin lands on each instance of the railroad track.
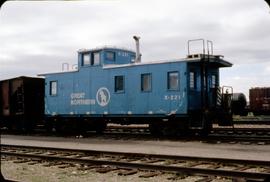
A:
(217, 136)
(241, 135)
(253, 122)
(259, 136)
(130, 163)
(252, 135)
(258, 120)
(212, 138)
(243, 131)
(137, 129)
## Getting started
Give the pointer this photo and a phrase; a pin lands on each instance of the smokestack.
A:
(138, 54)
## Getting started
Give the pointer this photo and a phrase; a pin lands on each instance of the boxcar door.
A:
(5, 99)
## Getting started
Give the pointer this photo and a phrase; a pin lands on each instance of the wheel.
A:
(29, 125)
(155, 129)
(48, 126)
(256, 113)
(244, 113)
(100, 127)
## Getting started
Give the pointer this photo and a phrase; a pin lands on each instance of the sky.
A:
(38, 36)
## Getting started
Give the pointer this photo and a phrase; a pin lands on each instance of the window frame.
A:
(194, 80)
(213, 84)
(110, 59)
(116, 90)
(150, 82)
(93, 60)
(83, 59)
(169, 88)
(53, 92)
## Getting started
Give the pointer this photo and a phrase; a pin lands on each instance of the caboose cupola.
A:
(105, 56)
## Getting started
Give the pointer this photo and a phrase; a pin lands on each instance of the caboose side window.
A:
(53, 88)
(96, 56)
(110, 56)
(86, 59)
(192, 80)
(146, 82)
(119, 83)
(213, 81)
(173, 80)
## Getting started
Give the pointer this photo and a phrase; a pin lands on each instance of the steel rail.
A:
(236, 139)
(218, 134)
(146, 155)
(243, 129)
(251, 122)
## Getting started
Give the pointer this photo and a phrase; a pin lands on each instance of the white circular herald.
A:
(103, 96)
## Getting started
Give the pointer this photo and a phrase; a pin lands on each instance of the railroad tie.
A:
(206, 179)
(48, 164)
(20, 161)
(150, 174)
(105, 169)
(84, 168)
(177, 176)
(127, 172)
(154, 161)
(33, 162)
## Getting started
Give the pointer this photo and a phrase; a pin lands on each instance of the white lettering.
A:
(79, 99)
(83, 102)
(77, 95)
(172, 97)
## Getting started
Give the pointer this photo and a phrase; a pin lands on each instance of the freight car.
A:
(112, 85)
(259, 102)
(259, 98)
(22, 102)
(239, 104)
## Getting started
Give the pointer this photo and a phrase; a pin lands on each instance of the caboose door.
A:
(200, 94)
(195, 96)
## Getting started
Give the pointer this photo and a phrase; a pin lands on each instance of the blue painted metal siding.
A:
(159, 100)
(121, 56)
(87, 81)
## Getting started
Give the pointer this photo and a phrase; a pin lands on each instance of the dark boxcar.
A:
(260, 100)
(22, 102)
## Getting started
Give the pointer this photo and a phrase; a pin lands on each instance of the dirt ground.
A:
(39, 173)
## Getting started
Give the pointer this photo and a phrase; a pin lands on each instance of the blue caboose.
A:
(112, 85)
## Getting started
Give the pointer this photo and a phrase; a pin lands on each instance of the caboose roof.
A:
(216, 61)
(104, 48)
(213, 61)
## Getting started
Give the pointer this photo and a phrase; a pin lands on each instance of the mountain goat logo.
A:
(103, 96)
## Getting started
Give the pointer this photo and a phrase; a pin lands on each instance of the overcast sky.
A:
(37, 37)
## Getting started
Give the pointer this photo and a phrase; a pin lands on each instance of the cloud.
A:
(38, 36)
